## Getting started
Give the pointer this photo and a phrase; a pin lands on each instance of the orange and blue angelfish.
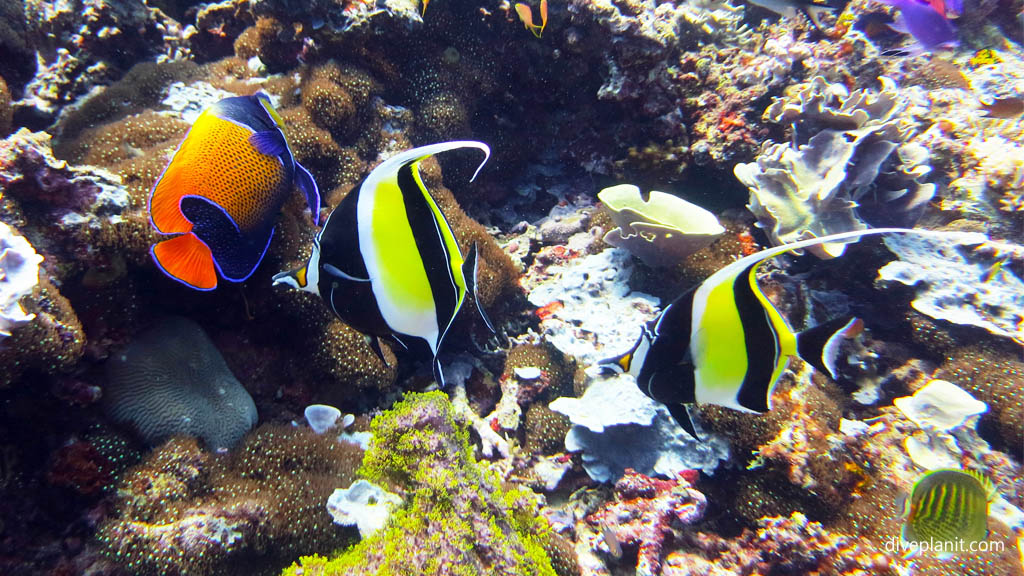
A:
(222, 191)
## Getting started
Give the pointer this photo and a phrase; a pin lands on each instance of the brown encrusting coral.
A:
(995, 375)
(261, 505)
(52, 343)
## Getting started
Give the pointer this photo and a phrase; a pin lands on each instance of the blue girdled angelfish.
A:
(387, 262)
(723, 342)
(222, 191)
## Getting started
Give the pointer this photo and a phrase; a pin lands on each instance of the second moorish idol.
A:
(724, 342)
(387, 262)
(221, 193)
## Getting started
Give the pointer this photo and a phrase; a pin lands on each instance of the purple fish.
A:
(928, 26)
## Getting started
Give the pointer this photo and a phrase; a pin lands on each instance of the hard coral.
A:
(274, 42)
(171, 380)
(338, 97)
(141, 88)
(556, 370)
(458, 518)
(996, 376)
(841, 174)
(780, 545)
(186, 512)
(6, 112)
(646, 513)
(51, 343)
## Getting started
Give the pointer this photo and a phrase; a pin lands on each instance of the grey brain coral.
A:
(171, 380)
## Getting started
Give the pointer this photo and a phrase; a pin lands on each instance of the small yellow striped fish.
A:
(948, 505)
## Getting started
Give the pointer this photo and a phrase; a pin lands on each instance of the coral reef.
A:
(6, 111)
(996, 377)
(667, 95)
(834, 177)
(949, 273)
(185, 511)
(92, 42)
(172, 381)
(458, 518)
(645, 514)
(598, 313)
(364, 505)
(20, 274)
(783, 545)
(51, 343)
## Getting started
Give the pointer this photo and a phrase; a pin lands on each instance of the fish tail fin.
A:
(819, 346)
(470, 268)
(188, 260)
(307, 184)
(986, 483)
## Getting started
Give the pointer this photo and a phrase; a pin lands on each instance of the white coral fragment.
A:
(19, 274)
(940, 405)
(363, 505)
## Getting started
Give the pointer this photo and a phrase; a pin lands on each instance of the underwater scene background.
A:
(261, 313)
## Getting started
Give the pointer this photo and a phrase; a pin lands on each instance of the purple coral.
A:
(645, 513)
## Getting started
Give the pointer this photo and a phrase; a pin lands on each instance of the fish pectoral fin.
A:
(681, 415)
(186, 259)
(470, 268)
(269, 142)
(819, 346)
(237, 254)
(341, 274)
(304, 180)
(675, 385)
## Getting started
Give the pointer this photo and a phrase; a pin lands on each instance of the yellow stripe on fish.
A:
(725, 343)
(948, 505)
(387, 261)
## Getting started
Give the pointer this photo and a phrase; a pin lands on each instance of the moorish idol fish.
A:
(723, 342)
(387, 262)
(221, 193)
(809, 8)
(948, 505)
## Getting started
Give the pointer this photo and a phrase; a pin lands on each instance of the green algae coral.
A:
(458, 517)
